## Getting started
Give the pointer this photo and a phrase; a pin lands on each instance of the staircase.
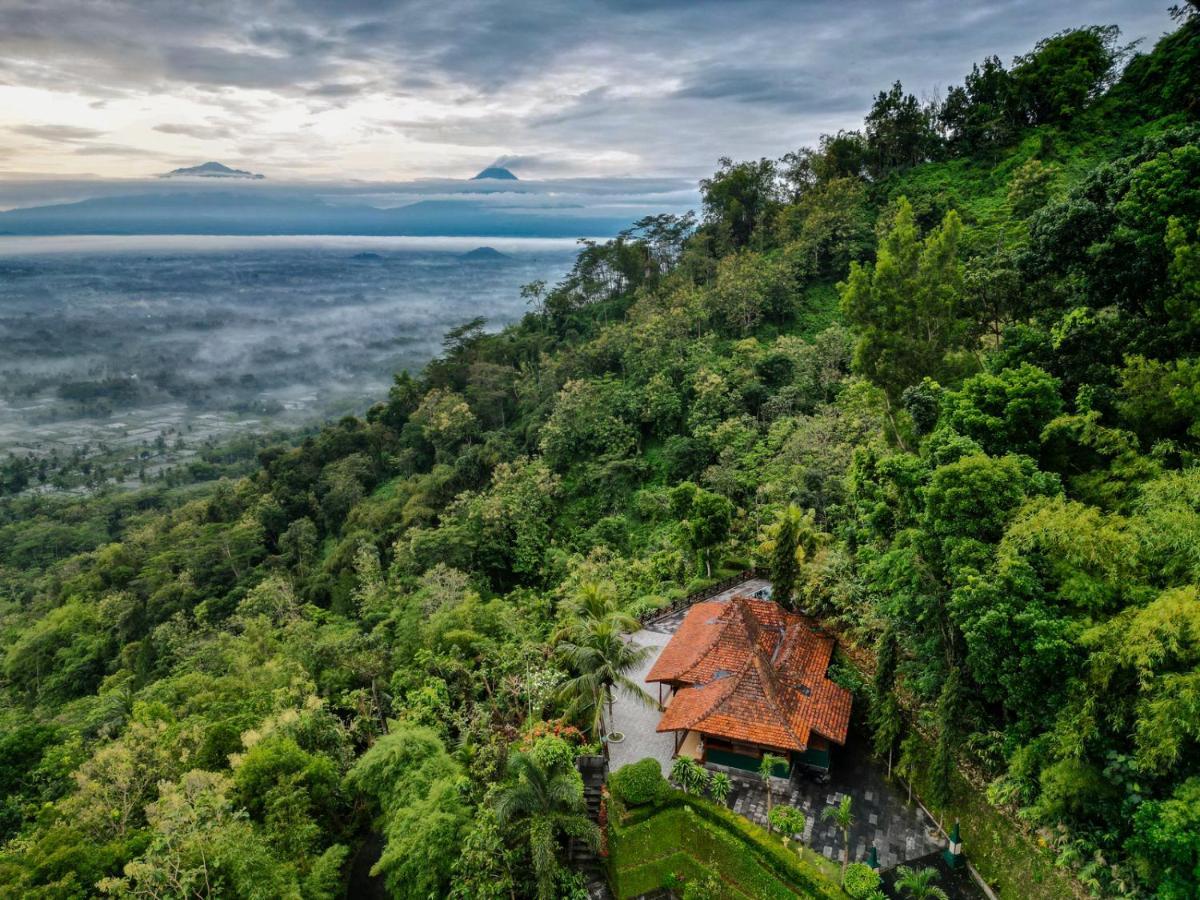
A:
(581, 857)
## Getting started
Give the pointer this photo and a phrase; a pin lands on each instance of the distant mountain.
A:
(211, 170)
(496, 172)
(200, 211)
(483, 254)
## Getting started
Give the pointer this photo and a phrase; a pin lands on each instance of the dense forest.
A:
(940, 375)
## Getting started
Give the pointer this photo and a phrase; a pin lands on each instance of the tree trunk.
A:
(889, 763)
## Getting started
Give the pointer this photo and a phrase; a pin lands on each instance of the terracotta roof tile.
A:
(697, 631)
(750, 671)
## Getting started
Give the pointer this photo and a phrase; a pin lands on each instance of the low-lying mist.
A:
(117, 340)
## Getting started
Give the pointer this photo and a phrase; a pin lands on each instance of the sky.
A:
(335, 90)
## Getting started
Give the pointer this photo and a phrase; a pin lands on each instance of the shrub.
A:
(861, 881)
(553, 753)
(787, 820)
(644, 606)
(638, 783)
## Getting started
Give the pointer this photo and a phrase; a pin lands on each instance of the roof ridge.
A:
(774, 690)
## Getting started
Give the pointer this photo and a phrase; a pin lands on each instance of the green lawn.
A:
(692, 837)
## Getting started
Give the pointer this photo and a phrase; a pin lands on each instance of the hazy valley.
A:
(109, 345)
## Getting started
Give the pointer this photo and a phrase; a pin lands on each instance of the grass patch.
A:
(693, 837)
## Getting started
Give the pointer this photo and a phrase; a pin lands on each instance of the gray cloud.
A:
(777, 86)
(113, 150)
(200, 132)
(601, 85)
(64, 133)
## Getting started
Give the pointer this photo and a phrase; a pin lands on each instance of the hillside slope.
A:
(940, 376)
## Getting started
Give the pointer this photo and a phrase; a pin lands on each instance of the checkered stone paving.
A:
(882, 818)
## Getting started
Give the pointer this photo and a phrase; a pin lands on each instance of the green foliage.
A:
(422, 814)
(543, 802)
(919, 883)
(738, 198)
(688, 834)
(719, 786)
(787, 821)
(907, 309)
(1166, 840)
(1004, 412)
(638, 783)
(689, 775)
(1001, 497)
(860, 880)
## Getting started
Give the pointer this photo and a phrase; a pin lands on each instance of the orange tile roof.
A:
(748, 670)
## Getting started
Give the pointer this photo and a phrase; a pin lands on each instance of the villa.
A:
(745, 677)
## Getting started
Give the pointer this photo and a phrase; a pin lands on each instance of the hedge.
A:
(638, 783)
(747, 860)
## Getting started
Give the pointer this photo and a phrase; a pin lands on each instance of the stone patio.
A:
(898, 831)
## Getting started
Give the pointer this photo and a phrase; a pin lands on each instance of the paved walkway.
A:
(638, 721)
(898, 831)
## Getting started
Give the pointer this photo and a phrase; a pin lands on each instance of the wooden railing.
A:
(709, 592)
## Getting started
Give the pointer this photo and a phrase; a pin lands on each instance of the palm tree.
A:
(594, 601)
(719, 786)
(545, 803)
(765, 768)
(689, 774)
(919, 884)
(842, 816)
(602, 658)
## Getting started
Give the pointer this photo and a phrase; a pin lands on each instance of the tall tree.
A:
(842, 816)
(899, 131)
(738, 198)
(787, 543)
(906, 309)
(766, 769)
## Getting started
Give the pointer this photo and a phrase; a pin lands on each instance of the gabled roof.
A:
(750, 671)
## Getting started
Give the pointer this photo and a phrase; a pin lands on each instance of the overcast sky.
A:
(336, 89)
